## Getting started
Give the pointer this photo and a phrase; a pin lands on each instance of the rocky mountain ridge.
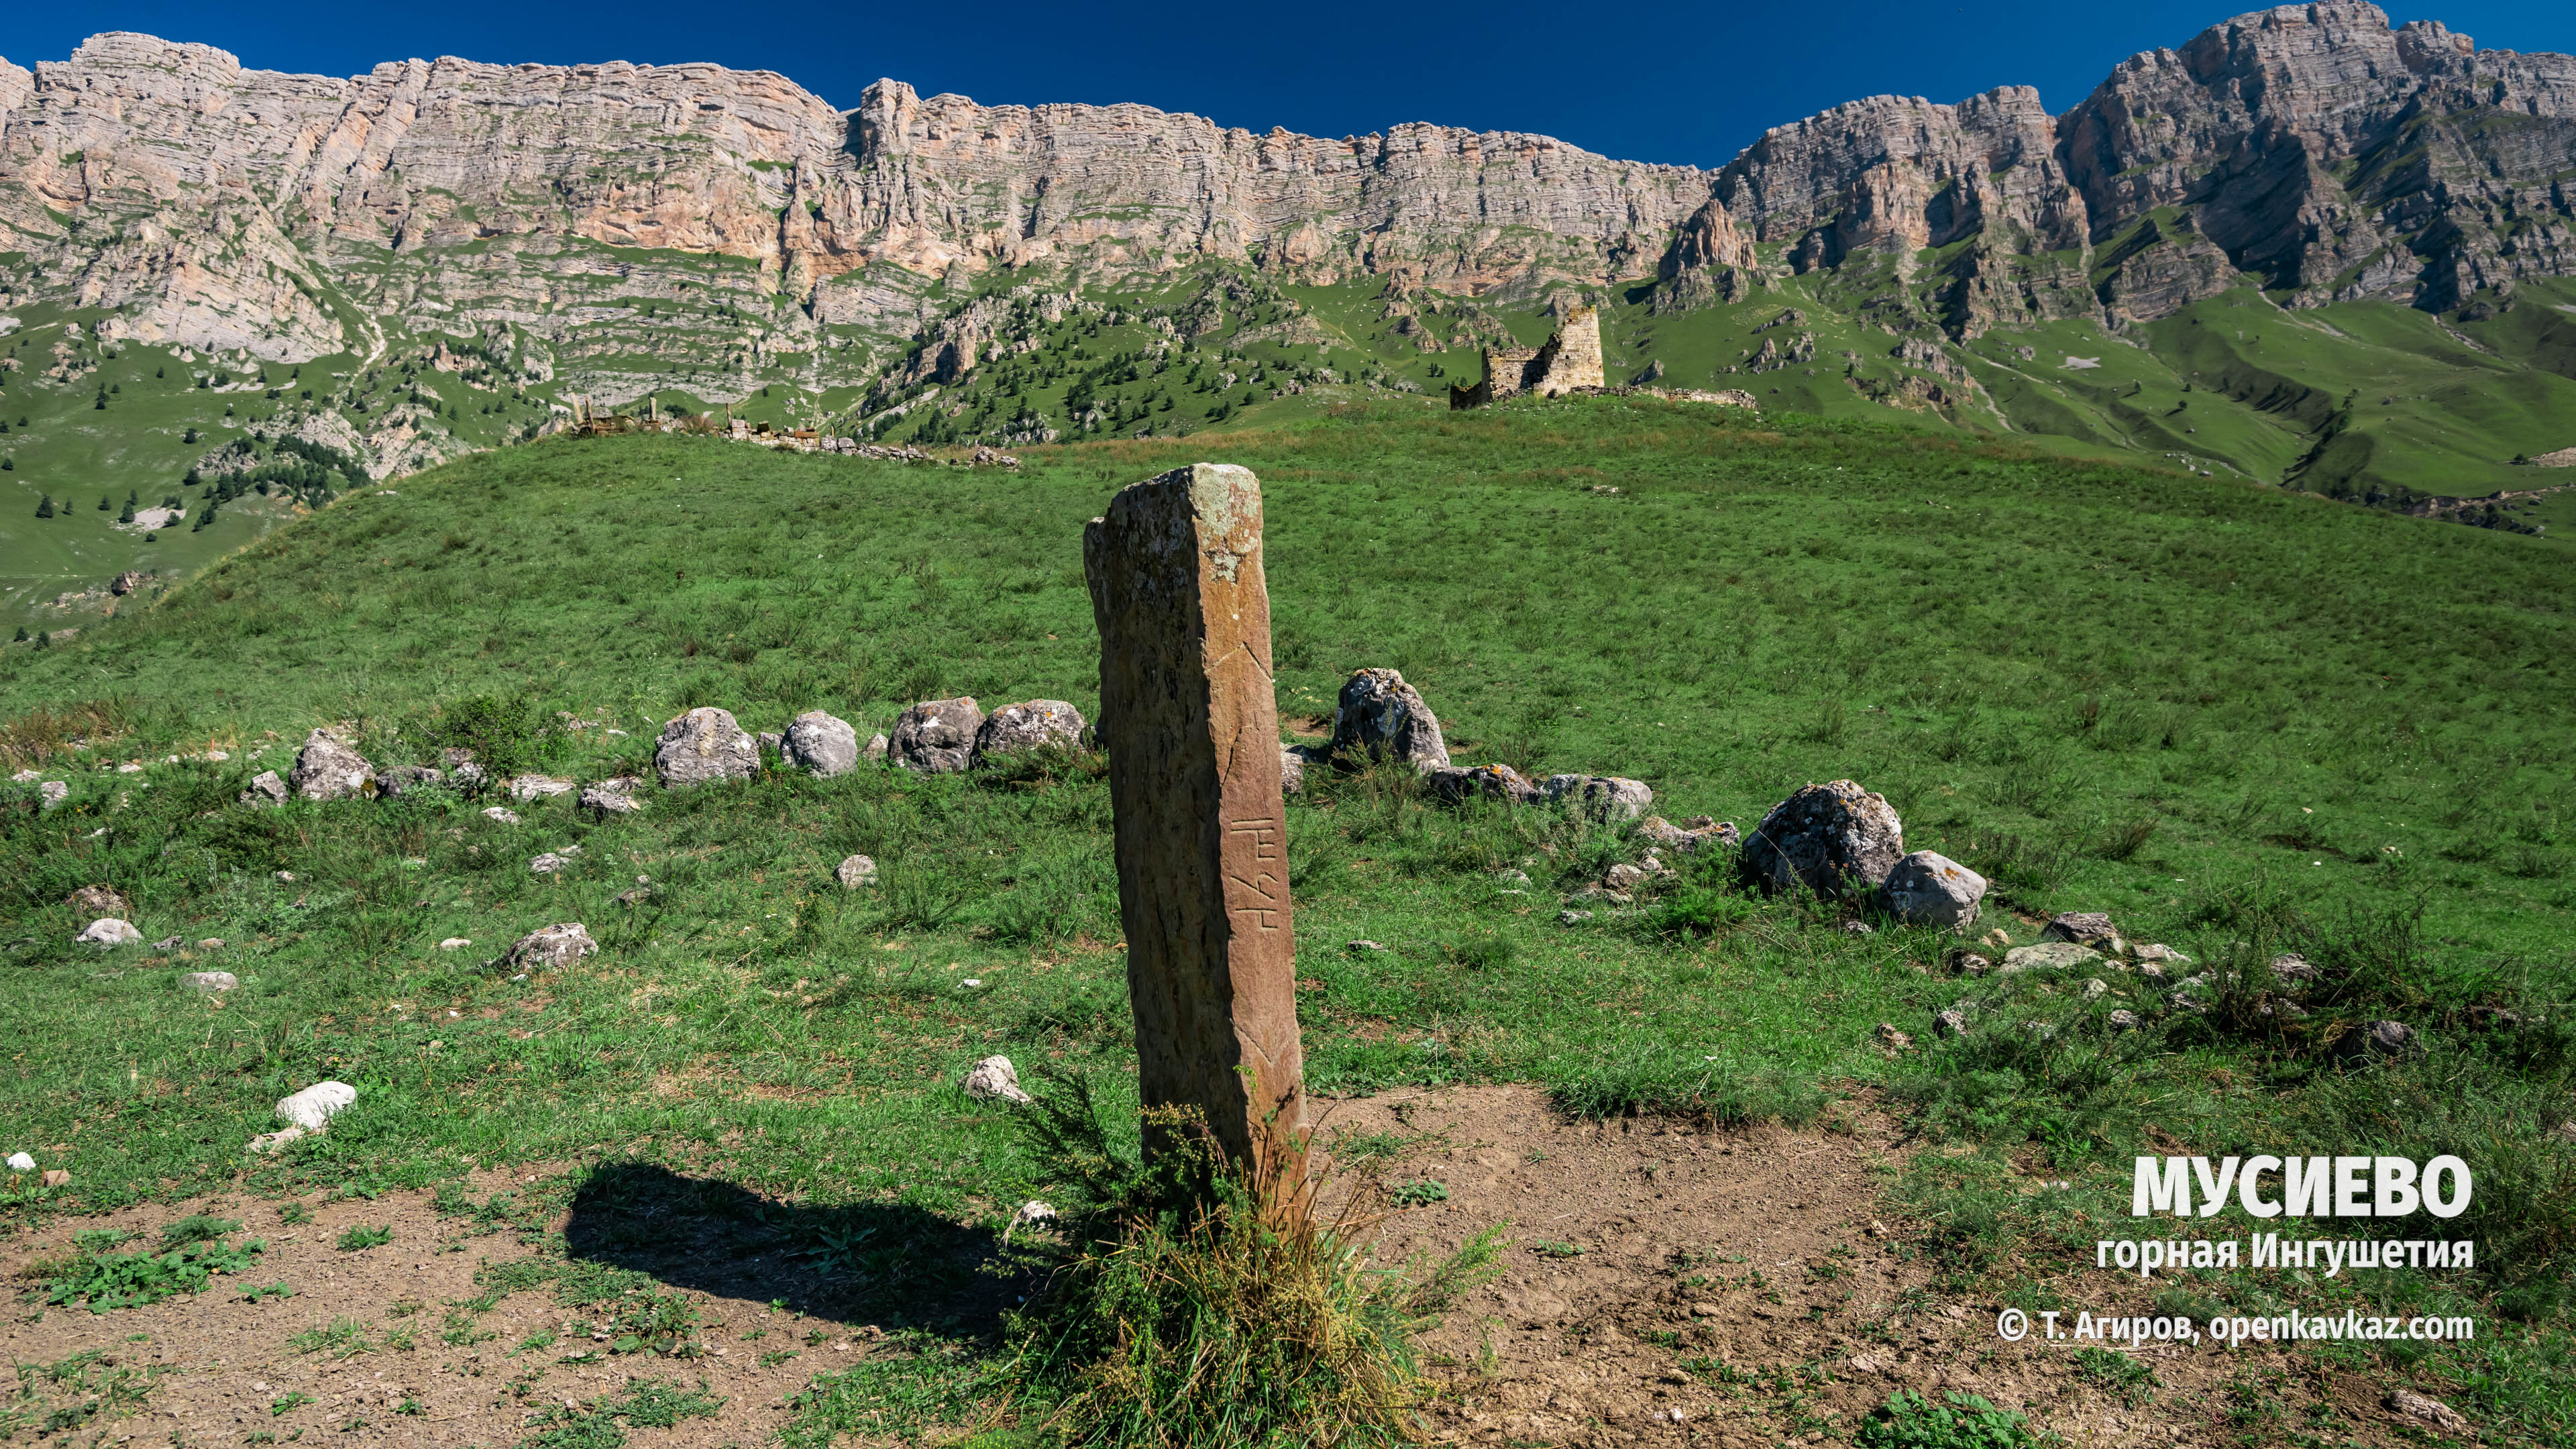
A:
(633, 227)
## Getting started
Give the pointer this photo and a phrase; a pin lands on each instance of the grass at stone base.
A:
(2204, 707)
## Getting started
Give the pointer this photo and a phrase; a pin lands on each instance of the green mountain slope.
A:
(2366, 401)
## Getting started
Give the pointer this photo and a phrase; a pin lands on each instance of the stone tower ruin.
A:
(1571, 358)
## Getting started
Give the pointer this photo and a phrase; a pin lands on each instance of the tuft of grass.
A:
(1207, 1304)
(2133, 1380)
(602, 1423)
(363, 1237)
(104, 1280)
(1910, 1421)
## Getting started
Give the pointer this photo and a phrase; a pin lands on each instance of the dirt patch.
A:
(394, 1349)
(1663, 1284)
(1671, 1285)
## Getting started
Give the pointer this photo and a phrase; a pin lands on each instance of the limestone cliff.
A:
(2310, 146)
(627, 227)
(727, 219)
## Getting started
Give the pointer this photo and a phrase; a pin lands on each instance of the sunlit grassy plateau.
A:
(2240, 720)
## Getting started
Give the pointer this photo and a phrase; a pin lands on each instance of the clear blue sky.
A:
(1684, 84)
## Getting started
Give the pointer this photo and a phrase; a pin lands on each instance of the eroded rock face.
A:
(936, 736)
(705, 745)
(1017, 727)
(1930, 889)
(819, 744)
(1837, 840)
(1379, 717)
(326, 769)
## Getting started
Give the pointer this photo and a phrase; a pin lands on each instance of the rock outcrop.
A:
(206, 206)
(2309, 148)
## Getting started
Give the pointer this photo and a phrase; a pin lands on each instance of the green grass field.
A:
(2242, 720)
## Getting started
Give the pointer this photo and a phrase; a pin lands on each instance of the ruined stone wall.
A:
(1570, 358)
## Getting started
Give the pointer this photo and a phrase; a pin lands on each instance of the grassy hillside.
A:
(2364, 401)
(2242, 720)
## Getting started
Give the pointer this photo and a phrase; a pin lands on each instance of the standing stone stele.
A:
(1185, 670)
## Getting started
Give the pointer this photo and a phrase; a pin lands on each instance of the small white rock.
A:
(501, 813)
(21, 1162)
(455, 943)
(314, 1107)
(992, 1079)
(109, 933)
(209, 981)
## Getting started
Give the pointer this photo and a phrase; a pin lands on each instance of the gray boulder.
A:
(1453, 785)
(1600, 797)
(1836, 839)
(2291, 966)
(1930, 889)
(399, 779)
(326, 769)
(1381, 718)
(2393, 1039)
(704, 745)
(463, 770)
(820, 744)
(936, 736)
(611, 798)
(1037, 724)
(876, 750)
(551, 947)
(1292, 769)
(2084, 928)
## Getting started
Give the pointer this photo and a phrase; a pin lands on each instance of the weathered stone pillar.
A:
(1185, 687)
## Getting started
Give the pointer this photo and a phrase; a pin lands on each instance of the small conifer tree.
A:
(45, 506)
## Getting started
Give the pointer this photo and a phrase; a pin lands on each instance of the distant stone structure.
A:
(1570, 359)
